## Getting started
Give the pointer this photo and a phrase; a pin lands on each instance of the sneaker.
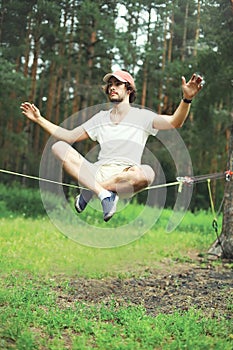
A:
(82, 200)
(109, 206)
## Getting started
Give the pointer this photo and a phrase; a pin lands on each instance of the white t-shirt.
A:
(123, 142)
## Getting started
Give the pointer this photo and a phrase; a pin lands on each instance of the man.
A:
(122, 133)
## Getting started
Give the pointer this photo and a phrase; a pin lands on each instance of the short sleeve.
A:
(91, 126)
(144, 118)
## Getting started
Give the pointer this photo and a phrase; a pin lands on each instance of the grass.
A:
(37, 261)
(33, 318)
(35, 245)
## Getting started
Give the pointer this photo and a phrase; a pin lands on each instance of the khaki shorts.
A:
(106, 171)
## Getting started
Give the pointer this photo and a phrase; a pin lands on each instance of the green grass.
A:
(33, 318)
(35, 245)
(37, 261)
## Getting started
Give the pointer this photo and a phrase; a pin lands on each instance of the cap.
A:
(121, 75)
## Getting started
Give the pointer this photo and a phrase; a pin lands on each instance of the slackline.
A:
(76, 186)
(189, 180)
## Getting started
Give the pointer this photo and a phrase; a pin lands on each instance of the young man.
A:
(122, 133)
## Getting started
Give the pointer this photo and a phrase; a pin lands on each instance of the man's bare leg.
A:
(130, 181)
(77, 166)
(84, 172)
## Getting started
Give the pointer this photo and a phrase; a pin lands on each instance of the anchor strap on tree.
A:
(215, 216)
(228, 175)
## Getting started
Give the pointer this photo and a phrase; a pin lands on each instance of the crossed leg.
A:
(133, 179)
(76, 166)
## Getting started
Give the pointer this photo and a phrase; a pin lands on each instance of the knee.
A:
(148, 173)
(142, 176)
(60, 149)
(66, 154)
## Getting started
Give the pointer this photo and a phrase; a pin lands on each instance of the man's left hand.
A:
(192, 87)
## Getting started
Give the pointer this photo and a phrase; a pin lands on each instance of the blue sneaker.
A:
(109, 206)
(82, 200)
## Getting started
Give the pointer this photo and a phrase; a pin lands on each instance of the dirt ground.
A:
(203, 285)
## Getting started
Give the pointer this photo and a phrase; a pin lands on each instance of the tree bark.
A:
(184, 41)
(197, 33)
(145, 66)
(223, 246)
(168, 103)
(160, 92)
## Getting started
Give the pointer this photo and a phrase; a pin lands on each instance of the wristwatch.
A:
(186, 100)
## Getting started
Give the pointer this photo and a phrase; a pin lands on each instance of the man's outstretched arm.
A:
(69, 136)
(190, 89)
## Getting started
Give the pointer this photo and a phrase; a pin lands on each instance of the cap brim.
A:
(109, 75)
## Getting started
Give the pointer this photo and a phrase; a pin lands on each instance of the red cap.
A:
(121, 75)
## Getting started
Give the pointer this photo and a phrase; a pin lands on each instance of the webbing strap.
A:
(211, 199)
(214, 222)
(180, 180)
(76, 186)
(39, 178)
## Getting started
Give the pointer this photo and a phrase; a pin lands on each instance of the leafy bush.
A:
(23, 201)
(28, 202)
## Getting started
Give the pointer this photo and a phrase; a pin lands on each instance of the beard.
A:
(115, 99)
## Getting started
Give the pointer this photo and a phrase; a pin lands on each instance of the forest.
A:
(55, 54)
(72, 281)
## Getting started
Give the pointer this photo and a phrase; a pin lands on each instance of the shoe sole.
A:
(78, 209)
(110, 215)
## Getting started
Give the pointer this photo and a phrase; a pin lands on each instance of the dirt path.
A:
(205, 287)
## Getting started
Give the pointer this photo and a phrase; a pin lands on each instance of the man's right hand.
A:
(70, 136)
(30, 111)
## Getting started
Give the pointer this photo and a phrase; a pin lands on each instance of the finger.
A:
(26, 105)
(24, 111)
(202, 83)
(193, 78)
(35, 109)
(183, 80)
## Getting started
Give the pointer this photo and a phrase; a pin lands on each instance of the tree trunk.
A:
(51, 97)
(145, 66)
(160, 92)
(168, 103)
(197, 33)
(184, 41)
(87, 98)
(144, 84)
(223, 246)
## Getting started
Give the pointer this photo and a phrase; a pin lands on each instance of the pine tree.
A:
(223, 247)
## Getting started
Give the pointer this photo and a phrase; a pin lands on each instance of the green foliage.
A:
(57, 52)
(11, 81)
(17, 200)
(24, 201)
(13, 86)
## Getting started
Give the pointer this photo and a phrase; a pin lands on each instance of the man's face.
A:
(117, 91)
